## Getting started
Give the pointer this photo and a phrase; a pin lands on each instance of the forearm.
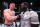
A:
(12, 18)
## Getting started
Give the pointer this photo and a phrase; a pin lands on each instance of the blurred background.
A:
(4, 4)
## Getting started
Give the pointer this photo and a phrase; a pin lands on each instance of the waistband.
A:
(8, 24)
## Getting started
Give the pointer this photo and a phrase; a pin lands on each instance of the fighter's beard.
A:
(24, 9)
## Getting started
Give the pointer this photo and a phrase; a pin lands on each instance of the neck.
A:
(25, 10)
(11, 9)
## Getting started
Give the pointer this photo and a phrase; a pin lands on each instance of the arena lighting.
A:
(31, 3)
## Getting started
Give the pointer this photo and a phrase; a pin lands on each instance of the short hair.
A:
(11, 3)
(25, 3)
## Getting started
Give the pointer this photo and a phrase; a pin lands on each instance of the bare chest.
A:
(12, 13)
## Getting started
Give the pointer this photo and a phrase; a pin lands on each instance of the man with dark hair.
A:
(9, 15)
(24, 6)
(27, 17)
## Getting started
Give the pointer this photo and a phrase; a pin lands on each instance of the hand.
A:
(17, 16)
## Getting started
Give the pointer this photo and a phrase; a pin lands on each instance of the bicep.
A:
(6, 14)
(34, 19)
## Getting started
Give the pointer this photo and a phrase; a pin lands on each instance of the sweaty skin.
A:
(9, 16)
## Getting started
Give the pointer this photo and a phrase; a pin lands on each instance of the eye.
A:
(13, 5)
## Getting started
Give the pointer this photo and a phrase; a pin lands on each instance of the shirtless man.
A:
(9, 15)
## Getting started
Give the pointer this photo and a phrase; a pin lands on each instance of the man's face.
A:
(22, 5)
(12, 6)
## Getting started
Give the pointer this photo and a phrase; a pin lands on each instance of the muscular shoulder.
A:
(6, 10)
(33, 13)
